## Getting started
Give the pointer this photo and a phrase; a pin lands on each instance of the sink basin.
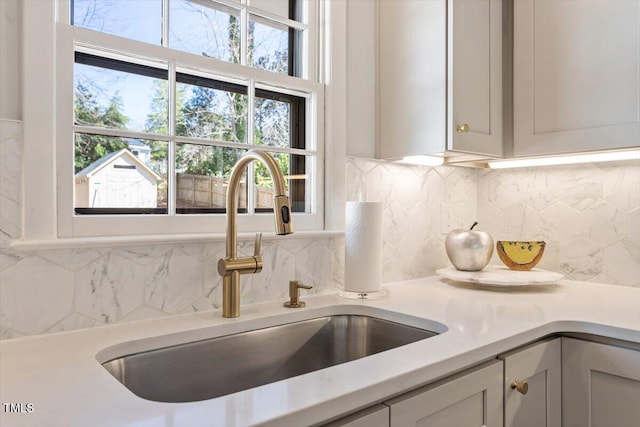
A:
(219, 366)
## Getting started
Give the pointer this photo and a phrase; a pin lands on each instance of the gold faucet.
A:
(231, 267)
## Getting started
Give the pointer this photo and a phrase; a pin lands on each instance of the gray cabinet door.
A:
(533, 385)
(600, 385)
(576, 75)
(470, 399)
(439, 77)
(475, 77)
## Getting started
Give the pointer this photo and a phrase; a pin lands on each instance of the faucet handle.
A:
(257, 245)
(294, 294)
(297, 284)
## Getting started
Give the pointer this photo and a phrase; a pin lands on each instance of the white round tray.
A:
(502, 276)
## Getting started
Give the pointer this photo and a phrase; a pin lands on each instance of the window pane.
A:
(270, 46)
(211, 30)
(116, 94)
(138, 20)
(202, 176)
(272, 122)
(122, 173)
(294, 168)
(279, 120)
(211, 109)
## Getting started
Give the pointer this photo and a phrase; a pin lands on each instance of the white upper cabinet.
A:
(439, 77)
(475, 81)
(576, 75)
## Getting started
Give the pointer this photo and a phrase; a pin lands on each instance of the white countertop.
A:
(59, 374)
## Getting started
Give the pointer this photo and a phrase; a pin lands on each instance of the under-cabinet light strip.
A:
(565, 160)
(422, 160)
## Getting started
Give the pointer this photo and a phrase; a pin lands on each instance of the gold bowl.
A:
(520, 255)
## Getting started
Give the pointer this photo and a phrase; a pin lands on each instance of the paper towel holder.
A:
(364, 295)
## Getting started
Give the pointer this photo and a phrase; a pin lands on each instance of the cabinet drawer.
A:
(470, 399)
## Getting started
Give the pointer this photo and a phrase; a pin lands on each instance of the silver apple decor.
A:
(469, 250)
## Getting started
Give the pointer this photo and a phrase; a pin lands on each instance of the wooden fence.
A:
(210, 192)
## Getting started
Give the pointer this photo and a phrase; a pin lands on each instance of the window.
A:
(157, 99)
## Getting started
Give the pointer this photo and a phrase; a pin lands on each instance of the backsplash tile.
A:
(417, 203)
(589, 215)
(34, 295)
(10, 186)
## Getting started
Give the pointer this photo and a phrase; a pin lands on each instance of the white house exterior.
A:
(117, 180)
(139, 149)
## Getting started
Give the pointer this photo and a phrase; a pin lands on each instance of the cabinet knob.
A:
(463, 128)
(521, 386)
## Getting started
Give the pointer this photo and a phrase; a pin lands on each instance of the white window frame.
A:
(48, 128)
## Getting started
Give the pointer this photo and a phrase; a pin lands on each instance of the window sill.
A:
(158, 239)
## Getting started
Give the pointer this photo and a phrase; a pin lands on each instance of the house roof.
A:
(106, 160)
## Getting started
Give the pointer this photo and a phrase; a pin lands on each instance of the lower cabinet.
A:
(600, 385)
(533, 385)
(469, 399)
(556, 382)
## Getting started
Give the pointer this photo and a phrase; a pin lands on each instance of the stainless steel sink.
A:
(220, 366)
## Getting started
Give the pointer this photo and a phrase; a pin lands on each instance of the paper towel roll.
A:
(363, 247)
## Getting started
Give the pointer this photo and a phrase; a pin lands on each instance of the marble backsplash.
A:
(589, 215)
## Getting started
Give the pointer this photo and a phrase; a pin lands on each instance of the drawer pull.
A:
(463, 128)
(521, 386)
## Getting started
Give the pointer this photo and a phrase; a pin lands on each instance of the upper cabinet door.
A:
(412, 77)
(439, 70)
(576, 75)
(475, 83)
